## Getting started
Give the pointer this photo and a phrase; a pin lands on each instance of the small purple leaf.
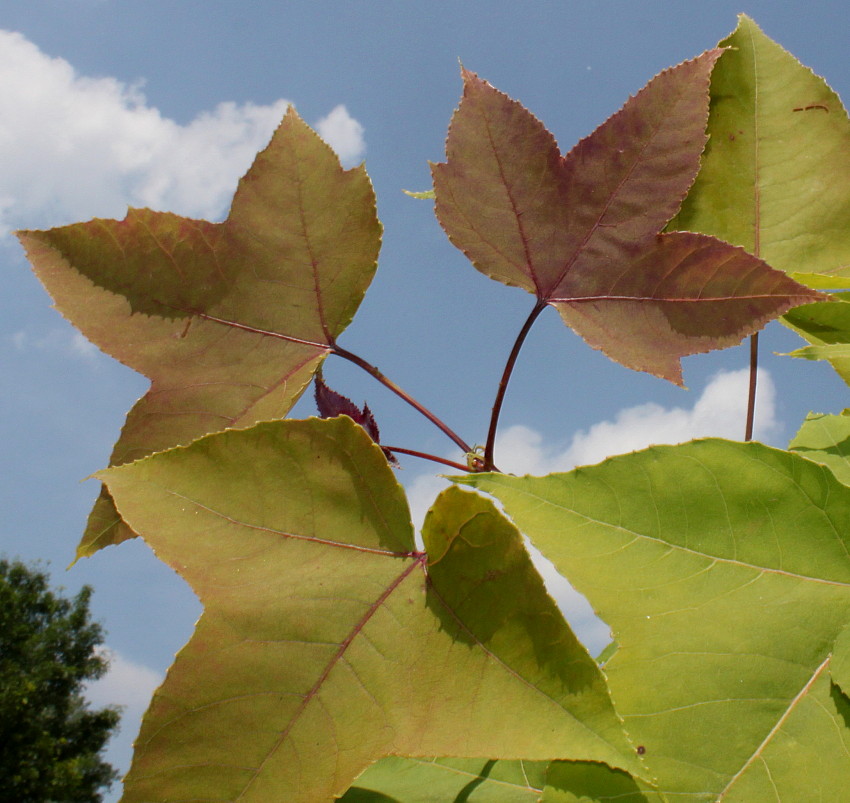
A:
(331, 404)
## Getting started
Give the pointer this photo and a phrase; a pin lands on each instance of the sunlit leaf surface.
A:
(724, 572)
(229, 320)
(775, 177)
(826, 439)
(827, 328)
(327, 641)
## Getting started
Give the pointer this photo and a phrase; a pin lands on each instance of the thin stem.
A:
(751, 398)
(388, 383)
(489, 464)
(426, 456)
(359, 361)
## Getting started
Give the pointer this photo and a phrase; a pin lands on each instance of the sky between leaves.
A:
(104, 106)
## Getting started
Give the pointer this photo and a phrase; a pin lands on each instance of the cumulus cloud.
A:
(64, 340)
(719, 411)
(344, 134)
(126, 683)
(74, 147)
(129, 685)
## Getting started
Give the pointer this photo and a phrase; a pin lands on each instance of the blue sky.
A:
(105, 103)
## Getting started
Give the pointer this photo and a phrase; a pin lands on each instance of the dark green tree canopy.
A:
(50, 741)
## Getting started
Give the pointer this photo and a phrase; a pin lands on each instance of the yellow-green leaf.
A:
(228, 320)
(327, 641)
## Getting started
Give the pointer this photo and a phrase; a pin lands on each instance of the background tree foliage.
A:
(50, 741)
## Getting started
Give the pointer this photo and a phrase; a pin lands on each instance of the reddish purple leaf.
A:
(331, 404)
(581, 231)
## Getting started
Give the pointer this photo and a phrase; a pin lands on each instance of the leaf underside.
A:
(228, 320)
(326, 642)
(582, 232)
(724, 572)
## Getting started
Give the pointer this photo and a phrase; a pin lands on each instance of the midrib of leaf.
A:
(320, 309)
(337, 657)
(756, 165)
(522, 235)
(779, 723)
(312, 539)
(662, 300)
(255, 330)
(687, 550)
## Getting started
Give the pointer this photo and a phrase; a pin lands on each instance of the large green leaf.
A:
(229, 320)
(581, 232)
(326, 641)
(411, 780)
(724, 572)
(775, 176)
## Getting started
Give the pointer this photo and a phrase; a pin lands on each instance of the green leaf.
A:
(723, 570)
(821, 281)
(425, 780)
(324, 630)
(425, 195)
(583, 782)
(581, 232)
(839, 668)
(827, 328)
(826, 439)
(775, 177)
(229, 320)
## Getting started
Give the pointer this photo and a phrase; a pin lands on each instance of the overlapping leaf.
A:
(827, 328)
(409, 780)
(583, 782)
(826, 439)
(724, 572)
(581, 232)
(775, 177)
(229, 320)
(325, 643)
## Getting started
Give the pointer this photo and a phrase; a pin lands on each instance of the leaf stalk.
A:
(751, 395)
(425, 456)
(489, 464)
(402, 394)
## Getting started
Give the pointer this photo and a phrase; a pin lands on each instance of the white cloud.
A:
(126, 683)
(131, 686)
(74, 147)
(344, 134)
(719, 411)
(63, 340)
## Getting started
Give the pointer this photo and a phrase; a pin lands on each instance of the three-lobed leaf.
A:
(326, 642)
(723, 570)
(228, 320)
(581, 232)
